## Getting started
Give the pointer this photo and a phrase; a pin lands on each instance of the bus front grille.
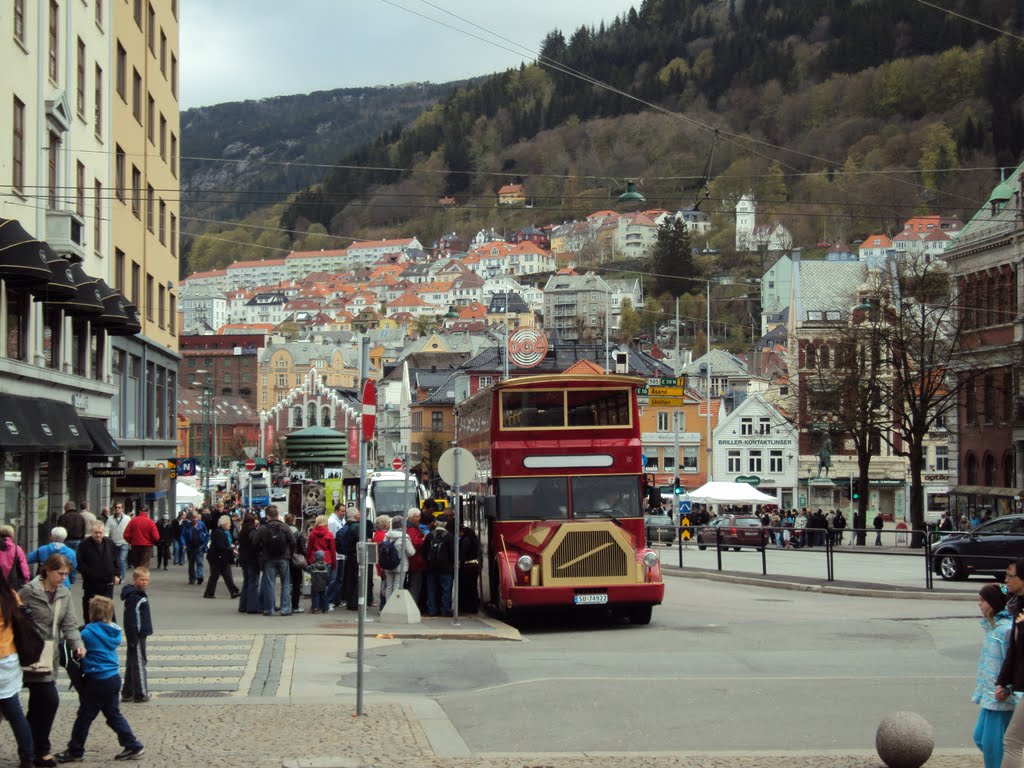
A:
(588, 554)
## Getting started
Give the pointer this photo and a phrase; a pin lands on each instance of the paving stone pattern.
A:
(198, 663)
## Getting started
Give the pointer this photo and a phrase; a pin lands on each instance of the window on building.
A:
(754, 463)
(80, 189)
(824, 356)
(120, 164)
(18, 147)
(735, 462)
(174, 235)
(162, 222)
(989, 401)
(486, 381)
(136, 282)
(99, 13)
(131, 395)
(163, 53)
(80, 79)
(746, 425)
(118, 275)
(151, 119)
(689, 458)
(97, 216)
(162, 307)
(174, 75)
(54, 26)
(163, 137)
(19, 21)
(174, 9)
(121, 72)
(663, 421)
(137, 13)
(150, 205)
(136, 192)
(174, 156)
(53, 169)
(811, 355)
(764, 425)
(1008, 393)
(941, 458)
(436, 421)
(151, 30)
(669, 461)
(137, 96)
(149, 297)
(172, 318)
(775, 462)
(98, 98)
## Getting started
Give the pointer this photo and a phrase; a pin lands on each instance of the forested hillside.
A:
(842, 117)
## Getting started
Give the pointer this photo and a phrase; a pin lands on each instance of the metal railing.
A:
(826, 544)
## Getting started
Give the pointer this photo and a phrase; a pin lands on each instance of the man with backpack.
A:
(347, 540)
(275, 545)
(194, 538)
(439, 552)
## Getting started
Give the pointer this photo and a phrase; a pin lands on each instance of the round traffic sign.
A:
(250, 464)
(397, 463)
(457, 466)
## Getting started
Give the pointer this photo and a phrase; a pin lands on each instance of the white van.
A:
(392, 493)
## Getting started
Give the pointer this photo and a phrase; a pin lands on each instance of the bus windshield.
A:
(604, 495)
(532, 498)
(394, 496)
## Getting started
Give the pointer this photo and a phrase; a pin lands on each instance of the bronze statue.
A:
(825, 456)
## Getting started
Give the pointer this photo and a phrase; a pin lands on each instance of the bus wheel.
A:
(640, 614)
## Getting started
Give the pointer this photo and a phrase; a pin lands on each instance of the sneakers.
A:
(129, 753)
(298, 610)
(68, 757)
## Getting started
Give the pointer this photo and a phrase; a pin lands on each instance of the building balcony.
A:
(65, 233)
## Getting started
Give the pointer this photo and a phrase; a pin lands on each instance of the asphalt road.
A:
(722, 666)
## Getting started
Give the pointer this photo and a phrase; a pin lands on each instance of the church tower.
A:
(745, 214)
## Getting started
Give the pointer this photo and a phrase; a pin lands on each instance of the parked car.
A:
(660, 528)
(985, 550)
(734, 531)
(279, 494)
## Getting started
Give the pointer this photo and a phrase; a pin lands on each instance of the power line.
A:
(951, 12)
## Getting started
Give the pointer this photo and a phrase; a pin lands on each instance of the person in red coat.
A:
(141, 535)
(320, 539)
(417, 562)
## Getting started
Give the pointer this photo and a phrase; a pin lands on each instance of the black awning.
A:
(62, 285)
(22, 257)
(86, 302)
(104, 448)
(31, 425)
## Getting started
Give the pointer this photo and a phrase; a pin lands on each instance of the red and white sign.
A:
(527, 347)
(250, 464)
(397, 463)
(369, 410)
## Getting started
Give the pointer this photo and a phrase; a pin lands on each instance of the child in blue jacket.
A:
(994, 715)
(101, 686)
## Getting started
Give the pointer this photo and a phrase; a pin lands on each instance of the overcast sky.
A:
(233, 50)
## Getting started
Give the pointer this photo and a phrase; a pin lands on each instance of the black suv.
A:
(986, 549)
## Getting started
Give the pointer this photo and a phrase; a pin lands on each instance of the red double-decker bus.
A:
(559, 494)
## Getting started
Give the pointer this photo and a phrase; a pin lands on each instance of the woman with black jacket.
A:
(220, 556)
(248, 558)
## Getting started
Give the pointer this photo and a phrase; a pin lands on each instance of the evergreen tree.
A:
(672, 259)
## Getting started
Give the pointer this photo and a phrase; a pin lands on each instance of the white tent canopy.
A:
(730, 493)
(186, 494)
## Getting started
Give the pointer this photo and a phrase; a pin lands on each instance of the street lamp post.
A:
(206, 406)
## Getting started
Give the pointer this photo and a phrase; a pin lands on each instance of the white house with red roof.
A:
(526, 258)
(216, 279)
(368, 252)
(635, 235)
(250, 274)
(299, 264)
(415, 306)
(874, 247)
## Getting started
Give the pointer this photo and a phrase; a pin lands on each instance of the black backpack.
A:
(437, 547)
(388, 556)
(275, 546)
(195, 536)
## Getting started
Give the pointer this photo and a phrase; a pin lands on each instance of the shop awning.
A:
(986, 490)
(104, 447)
(22, 257)
(30, 425)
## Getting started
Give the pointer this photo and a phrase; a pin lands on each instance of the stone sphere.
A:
(904, 740)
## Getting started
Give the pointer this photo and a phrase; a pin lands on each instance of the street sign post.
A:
(456, 466)
(396, 464)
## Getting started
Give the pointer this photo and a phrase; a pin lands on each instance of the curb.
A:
(831, 589)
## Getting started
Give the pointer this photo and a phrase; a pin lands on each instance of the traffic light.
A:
(677, 487)
(270, 465)
(855, 489)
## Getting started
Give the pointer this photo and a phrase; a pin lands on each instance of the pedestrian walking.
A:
(195, 537)
(114, 530)
(138, 625)
(381, 526)
(163, 549)
(13, 564)
(1011, 674)
(297, 564)
(220, 556)
(100, 686)
(99, 565)
(275, 546)
(142, 536)
(249, 560)
(72, 521)
(879, 524)
(319, 576)
(840, 526)
(49, 603)
(11, 676)
(177, 550)
(994, 715)
(55, 547)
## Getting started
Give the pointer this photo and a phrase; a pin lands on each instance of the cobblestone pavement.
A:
(208, 732)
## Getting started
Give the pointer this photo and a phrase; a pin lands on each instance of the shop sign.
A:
(107, 472)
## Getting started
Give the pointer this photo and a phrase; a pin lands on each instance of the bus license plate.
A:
(590, 599)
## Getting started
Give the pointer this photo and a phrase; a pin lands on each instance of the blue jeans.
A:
(320, 601)
(100, 696)
(250, 601)
(122, 556)
(282, 569)
(195, 565)
(988, 735)
(335, 591)
(178, 556)
(439, 583)
(12, 713)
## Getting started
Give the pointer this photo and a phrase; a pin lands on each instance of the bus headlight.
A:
(525, 564)
(651, 559)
